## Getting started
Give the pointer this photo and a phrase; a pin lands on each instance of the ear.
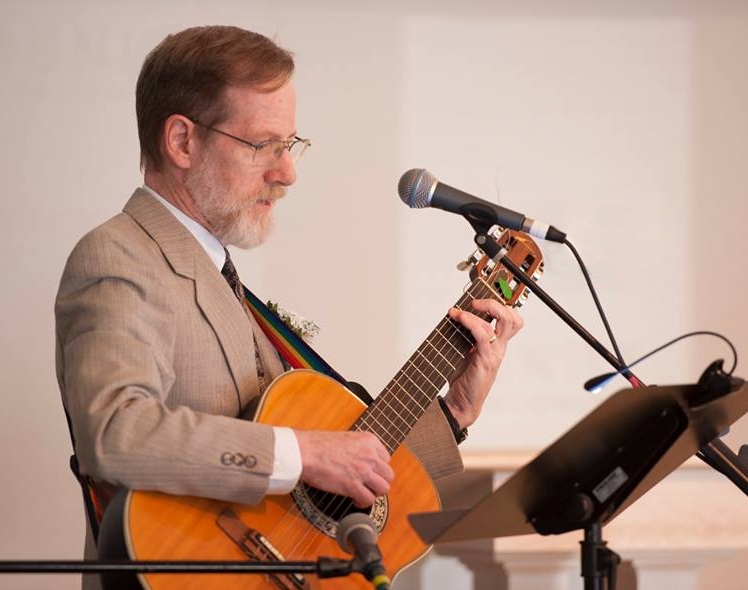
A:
(180, 146)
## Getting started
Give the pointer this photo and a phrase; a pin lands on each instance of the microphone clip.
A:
(713, 384)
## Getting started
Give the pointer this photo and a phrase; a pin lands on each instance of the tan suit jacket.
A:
(155, 361)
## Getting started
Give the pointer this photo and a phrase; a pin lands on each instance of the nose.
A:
(283, 171)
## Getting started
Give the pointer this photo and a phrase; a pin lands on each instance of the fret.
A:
(405, 399)
(417, 368)
(489, 291)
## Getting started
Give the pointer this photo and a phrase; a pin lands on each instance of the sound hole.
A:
(323, 509)
(332, 505)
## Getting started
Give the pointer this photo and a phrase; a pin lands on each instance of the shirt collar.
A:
(212, 246)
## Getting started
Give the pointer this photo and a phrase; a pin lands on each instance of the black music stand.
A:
(596, 470)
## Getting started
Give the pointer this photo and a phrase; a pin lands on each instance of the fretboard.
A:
(403, 401)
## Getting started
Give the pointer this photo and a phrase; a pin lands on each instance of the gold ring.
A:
(492, 339)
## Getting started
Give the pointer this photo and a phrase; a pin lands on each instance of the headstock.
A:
(522, 251)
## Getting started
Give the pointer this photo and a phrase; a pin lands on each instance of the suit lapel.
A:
(213, 295)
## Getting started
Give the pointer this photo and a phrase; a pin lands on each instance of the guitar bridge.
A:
(257, 547)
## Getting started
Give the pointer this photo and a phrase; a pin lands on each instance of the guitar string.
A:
(362, 422)
(374, 416)
(333, 499)
(341, 502)
(428, 378)
(422, 381)
(488, 290)
(336, 503)
(380, 411)
(421, 384)
(323, 501)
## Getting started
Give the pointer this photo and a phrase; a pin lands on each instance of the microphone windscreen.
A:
(415, 188)
(356, 521)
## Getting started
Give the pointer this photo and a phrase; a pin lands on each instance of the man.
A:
(157, 360)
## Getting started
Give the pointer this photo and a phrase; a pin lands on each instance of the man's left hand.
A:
(473, 380)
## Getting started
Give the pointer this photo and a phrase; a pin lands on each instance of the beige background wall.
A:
(624, 124)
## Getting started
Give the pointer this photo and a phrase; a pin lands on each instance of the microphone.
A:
(357, 534)
(419, 188)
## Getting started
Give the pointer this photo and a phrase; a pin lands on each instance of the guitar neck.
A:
(404, 400)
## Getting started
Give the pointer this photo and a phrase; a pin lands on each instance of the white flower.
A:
(302, 327)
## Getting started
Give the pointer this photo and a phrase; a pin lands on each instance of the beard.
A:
(241, 220)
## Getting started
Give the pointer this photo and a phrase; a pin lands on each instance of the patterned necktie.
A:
(232, 278)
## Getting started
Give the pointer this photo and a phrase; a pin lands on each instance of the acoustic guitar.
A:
(302, 525)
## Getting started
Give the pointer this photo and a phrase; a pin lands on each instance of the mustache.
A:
(271, 194)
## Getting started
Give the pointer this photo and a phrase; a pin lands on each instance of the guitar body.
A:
(164, 527)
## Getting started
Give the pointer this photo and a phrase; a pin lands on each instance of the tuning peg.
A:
(470, 261)
(538, 272)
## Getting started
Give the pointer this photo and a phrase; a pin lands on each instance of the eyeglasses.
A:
(267, 152)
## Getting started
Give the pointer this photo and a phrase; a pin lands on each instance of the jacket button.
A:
(239, 460)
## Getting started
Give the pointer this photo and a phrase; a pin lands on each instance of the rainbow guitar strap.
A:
(297, 353)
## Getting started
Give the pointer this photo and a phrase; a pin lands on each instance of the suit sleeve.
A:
(434, 444)
(115, 361)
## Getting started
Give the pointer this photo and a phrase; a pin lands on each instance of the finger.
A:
(382, 452)
(371, 441)
(493, 308)
(362, 497)
(490, 306)
(377, 485)
(508, 321)
(384, 471)
(480, 329)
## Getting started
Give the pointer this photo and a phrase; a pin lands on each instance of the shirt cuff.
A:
(287, 462)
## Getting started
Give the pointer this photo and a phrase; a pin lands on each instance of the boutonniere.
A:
(302, 327)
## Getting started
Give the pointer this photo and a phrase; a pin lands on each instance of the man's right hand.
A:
(353, 464)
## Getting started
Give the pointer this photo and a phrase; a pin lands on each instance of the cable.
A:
(597, 301)
(597, 383)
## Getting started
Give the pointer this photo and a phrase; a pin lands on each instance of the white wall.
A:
(624, 126)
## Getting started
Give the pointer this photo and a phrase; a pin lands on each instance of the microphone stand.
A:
(498, 254)
(597, 560)
(324, 567)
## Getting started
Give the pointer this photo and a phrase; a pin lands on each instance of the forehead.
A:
(269, 113)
